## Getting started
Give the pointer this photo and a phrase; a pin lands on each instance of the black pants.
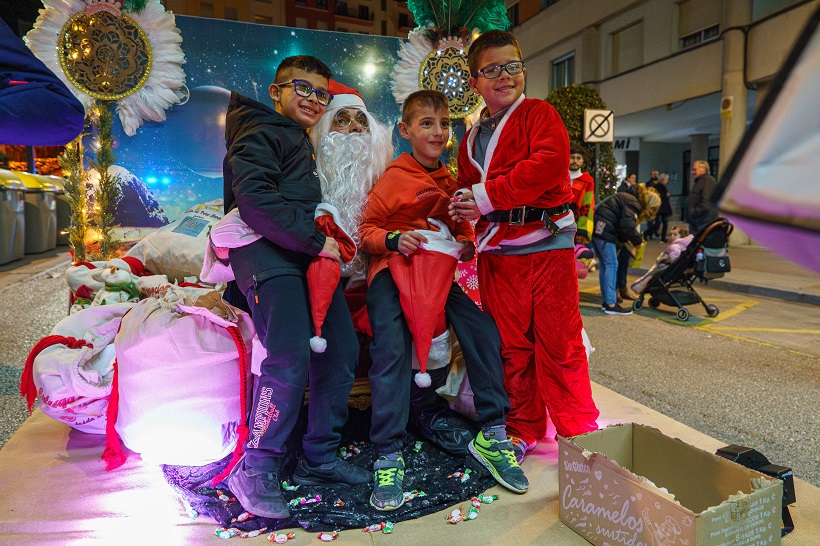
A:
(281, 314)
(623, 266)
(391, 371)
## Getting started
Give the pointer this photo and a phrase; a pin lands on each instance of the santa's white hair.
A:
(349, 166)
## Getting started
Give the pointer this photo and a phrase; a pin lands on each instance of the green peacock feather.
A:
(449, 16)
(134, 6)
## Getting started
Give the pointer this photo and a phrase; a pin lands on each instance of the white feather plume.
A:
(405, 75)
(162, 89)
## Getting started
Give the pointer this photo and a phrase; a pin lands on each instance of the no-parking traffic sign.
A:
(599, 125)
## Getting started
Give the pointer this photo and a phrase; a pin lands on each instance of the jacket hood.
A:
(244, 113)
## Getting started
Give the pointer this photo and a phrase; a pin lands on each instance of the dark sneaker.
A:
(499, 459)
(388, 478)
(257, 491)
(336, 471)
(616, 310)
(521, 448)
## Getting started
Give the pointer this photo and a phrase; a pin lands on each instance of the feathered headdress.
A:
(439, 18)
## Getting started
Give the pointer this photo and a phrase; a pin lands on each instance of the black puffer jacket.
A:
(270, 175)
(616, 219)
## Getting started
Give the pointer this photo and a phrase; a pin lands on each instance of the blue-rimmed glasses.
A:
(492, 71)
(305, 89)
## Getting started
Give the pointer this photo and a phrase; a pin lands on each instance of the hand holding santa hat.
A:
(424, 279)
(323, 273)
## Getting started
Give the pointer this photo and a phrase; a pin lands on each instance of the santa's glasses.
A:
(492, 71)
(344, 119)
(305, 89)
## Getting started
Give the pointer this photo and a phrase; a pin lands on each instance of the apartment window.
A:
(627, 48)
(301, 22)
(206, 9)
(321, 4)
(364, 13)
(404, 20)
(384, 28)
(699, 21)
(563, 71)
(301, 2)
(547, 3)
(512, 15)
(230, 13)
(341, 8)
(384, 5)
(265, 1)
(263, 20)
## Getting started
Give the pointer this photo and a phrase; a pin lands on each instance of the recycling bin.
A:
(12, 217)
(63, 210)
(41, 212)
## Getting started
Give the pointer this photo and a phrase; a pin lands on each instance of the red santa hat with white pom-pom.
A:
(424, 279)
(323, 274)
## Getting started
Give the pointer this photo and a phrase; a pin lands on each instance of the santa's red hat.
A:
(424, 279)
(323, 274)
(344, 97)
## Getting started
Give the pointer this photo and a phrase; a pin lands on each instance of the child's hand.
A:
(331, 249)
(464, 207)
(409, 242)
(468, 252)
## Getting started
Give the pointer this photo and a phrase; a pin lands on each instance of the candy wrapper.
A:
(280, 538)
(328, 536)
(455, 516)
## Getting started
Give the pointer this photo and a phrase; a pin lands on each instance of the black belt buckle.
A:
(517, 215)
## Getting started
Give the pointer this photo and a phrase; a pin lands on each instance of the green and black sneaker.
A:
(499, 458)
(388, 477)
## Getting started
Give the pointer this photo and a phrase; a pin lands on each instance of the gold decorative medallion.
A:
(106, 56)
(446, 70)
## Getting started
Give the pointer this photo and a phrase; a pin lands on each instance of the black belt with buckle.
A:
(523, 215)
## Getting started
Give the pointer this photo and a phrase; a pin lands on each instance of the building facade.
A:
(683, 77)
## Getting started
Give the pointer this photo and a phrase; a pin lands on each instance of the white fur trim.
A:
(423, 380)
(438, 241)
(482, 199)
(346, 100)
(326, 209)
(318, 344)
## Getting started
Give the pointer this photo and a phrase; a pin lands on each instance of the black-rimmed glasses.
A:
(305, 89)
(492, 71)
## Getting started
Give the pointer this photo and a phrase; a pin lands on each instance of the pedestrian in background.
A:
(700, 211)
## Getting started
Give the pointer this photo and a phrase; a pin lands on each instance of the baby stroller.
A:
(704, 259)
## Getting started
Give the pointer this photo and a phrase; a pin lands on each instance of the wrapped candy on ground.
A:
(254, 533)
(288, 487)
(472, 514)
(487, 499)
(226, 533)
(375, 528)
(280, 538)
(388, 527)
(455, 516)
(328, 537)
(417, 447)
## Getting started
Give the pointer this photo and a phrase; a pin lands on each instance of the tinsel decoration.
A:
(108, 190)
(75, 175)
(438, 18)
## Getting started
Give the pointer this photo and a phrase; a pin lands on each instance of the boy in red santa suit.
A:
(414, 194)
(515, 164)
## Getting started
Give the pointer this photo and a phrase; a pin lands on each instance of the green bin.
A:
(12, 217)
(41, 212)
(63, 210)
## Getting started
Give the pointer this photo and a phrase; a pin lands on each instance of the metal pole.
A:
(32, 165)
(597, 172)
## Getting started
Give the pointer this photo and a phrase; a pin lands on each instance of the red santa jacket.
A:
(527, 163)
(403, 199)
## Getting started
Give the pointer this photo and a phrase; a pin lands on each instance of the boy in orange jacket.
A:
(414, 188)
(515, 163)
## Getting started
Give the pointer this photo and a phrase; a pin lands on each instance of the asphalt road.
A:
(750, 376)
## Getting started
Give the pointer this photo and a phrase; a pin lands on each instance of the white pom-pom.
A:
(423, 380)
(318, 344)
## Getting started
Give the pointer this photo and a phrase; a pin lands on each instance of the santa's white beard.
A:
(342, 162)
(346, 174)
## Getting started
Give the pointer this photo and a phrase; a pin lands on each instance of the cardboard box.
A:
(630, 485)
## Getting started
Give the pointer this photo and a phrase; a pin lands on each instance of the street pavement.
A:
(748, 376)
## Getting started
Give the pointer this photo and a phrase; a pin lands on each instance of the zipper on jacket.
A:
(255, 294)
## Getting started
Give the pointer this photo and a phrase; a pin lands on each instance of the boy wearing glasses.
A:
(414, 189)
(515, 163)
(270, 176)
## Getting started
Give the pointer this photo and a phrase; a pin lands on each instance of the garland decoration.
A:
(125, 52)
(435, 54)
(75, 174)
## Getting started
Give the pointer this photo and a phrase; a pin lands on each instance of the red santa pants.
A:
(534, 301)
